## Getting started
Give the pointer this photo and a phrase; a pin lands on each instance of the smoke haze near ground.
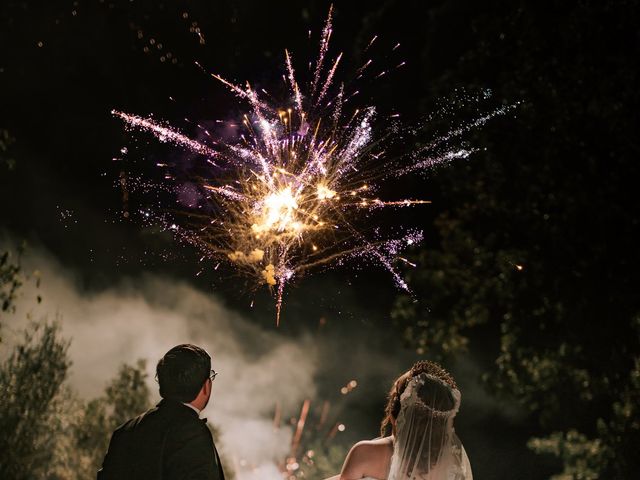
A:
(145, 317)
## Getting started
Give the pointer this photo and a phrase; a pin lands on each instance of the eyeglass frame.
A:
(212, 375)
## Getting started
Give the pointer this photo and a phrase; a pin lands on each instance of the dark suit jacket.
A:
(168, 442)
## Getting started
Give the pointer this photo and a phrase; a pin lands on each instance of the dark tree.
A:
(538, 248)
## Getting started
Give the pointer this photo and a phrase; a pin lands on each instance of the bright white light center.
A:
(278, 212)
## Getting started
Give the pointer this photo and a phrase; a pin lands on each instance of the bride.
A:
(422, 444)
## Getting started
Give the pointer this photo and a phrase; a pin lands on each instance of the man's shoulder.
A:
(135, 422)
(164, 416)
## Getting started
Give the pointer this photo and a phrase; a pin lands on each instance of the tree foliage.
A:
(30, 381)
(46, 430)
(126, 396)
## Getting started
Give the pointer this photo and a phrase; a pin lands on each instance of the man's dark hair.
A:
(182, 372)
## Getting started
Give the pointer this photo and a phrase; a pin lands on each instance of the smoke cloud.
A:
(145, 317)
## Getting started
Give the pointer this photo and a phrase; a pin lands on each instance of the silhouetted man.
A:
(170, 441)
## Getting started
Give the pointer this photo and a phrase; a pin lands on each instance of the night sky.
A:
(65, 65)
(69, 66)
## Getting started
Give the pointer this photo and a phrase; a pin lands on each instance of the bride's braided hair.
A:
(392, 409)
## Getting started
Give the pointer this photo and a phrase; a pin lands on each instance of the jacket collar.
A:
(176, 404)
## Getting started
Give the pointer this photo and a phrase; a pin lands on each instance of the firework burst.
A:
(290, 193)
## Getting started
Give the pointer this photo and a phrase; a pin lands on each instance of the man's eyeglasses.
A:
(212, 376)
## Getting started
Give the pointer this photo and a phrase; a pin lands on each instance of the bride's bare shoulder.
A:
(377, 444)
(386, 441)
(368, 458)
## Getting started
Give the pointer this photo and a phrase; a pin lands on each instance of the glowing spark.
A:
(300, 427)
(407, 261)
(371, 42)
(277, 415)
(325, 193)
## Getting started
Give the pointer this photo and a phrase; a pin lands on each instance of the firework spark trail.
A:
(384, 251)
(165, 134)
(329, 79)
(478, 122)
(358, 141)
(247, 93)
(293, 190)
(361, 70)
(377, 203)
(432, 161)
(452, 154)
(300, 427)
(375, 37)
(226, 191)
(294, 84)
(337, 111)
(324, 47)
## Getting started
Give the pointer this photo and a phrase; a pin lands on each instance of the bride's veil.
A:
(426, 446)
